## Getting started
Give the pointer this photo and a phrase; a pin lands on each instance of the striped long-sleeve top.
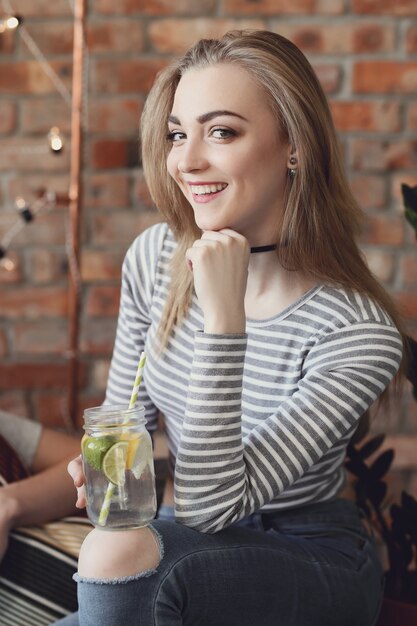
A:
(259, 420)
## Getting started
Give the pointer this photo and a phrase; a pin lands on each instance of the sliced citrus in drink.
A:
(95, 448)
(115, 463)
(133, 439)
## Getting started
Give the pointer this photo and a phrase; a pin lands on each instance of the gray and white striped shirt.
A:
(259, 420)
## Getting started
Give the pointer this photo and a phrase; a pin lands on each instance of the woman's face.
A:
(226, 155)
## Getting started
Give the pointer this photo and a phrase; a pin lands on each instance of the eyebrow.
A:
(206, 117)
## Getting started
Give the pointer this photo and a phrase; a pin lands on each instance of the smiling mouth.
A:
(202, 190)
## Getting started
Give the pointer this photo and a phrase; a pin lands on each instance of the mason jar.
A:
(118, 467)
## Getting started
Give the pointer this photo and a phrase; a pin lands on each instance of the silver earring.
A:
(292, 170)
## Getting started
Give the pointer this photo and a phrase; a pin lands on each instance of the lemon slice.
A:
(114, 463)
(145, 452)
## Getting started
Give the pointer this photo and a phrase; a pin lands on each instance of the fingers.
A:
(75, 470)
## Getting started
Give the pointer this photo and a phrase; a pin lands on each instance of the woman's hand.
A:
(75, 470)
(219, 262)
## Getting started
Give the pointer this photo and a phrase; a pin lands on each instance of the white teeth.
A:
(200, 190)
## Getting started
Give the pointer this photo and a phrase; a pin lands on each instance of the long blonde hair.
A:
(321, 218)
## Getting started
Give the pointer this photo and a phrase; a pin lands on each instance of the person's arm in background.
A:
(46, 495)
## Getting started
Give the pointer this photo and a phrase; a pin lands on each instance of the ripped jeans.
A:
(313, 566)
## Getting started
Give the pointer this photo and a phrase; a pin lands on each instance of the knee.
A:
(117, 554)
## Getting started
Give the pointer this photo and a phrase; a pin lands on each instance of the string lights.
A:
(56, 142)
(10, 23)
(77, 103)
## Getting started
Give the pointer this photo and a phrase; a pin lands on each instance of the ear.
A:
(292, 158)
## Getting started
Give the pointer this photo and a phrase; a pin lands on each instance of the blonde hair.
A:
(321, 219)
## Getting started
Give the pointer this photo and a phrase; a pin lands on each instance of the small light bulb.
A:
(7, 264)
(56, 143)
(12, 22)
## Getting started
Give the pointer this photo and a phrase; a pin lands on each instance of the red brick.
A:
(119, 116)
(342, 38)
(45, 229)
(141, 191)
(385, 7)
(284, 7)
(14, 402)
(7, 117)
(384, 77)
(28, 77)
(103, 301)
(40, 114)
(412, 116)
(51, 409)
(42, 337)
(114, 153)
(13, 275)
(100, 265)
(86, 401)
(100, 373)
(46, 266)
(7, 42)
(3, 344)
(176, 36)
(46, 8)
(354, 115)
(30, 154)
(377, 155)
(408, 270)
(107, 190)
(369, 191)
(411, 40)
(36, 375)
(52, 37)
(156, 7)
(117, 35)
(33, 302)
(381, 264)
(29, 186)
(97, 336)
(122, 227)
(330, 77)
(384, 230)
(124, 76)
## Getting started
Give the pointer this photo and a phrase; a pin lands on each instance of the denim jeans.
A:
(312, 566)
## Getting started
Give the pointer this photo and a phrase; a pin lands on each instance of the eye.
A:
(175, 136)
(222, 133)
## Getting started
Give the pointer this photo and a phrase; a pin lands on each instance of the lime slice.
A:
(95, 448)
(114, 463)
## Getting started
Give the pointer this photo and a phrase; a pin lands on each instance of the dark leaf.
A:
(409, 197)
(357, 467)
(381, 466)
(376, 493)
(371, 446)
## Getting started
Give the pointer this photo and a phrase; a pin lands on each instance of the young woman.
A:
(267, 339)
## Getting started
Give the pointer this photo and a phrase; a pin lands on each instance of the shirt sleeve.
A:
(138, 275)
(221, 477)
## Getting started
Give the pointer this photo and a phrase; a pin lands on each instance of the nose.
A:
(192, 157)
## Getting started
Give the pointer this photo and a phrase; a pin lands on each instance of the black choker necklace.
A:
(255, 249)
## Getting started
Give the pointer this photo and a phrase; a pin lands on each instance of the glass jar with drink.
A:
(118, 467)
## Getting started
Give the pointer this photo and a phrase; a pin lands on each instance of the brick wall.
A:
(365, 53)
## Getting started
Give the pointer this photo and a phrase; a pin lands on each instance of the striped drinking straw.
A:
(105, 507)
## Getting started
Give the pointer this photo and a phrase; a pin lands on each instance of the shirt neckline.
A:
(310, 293)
